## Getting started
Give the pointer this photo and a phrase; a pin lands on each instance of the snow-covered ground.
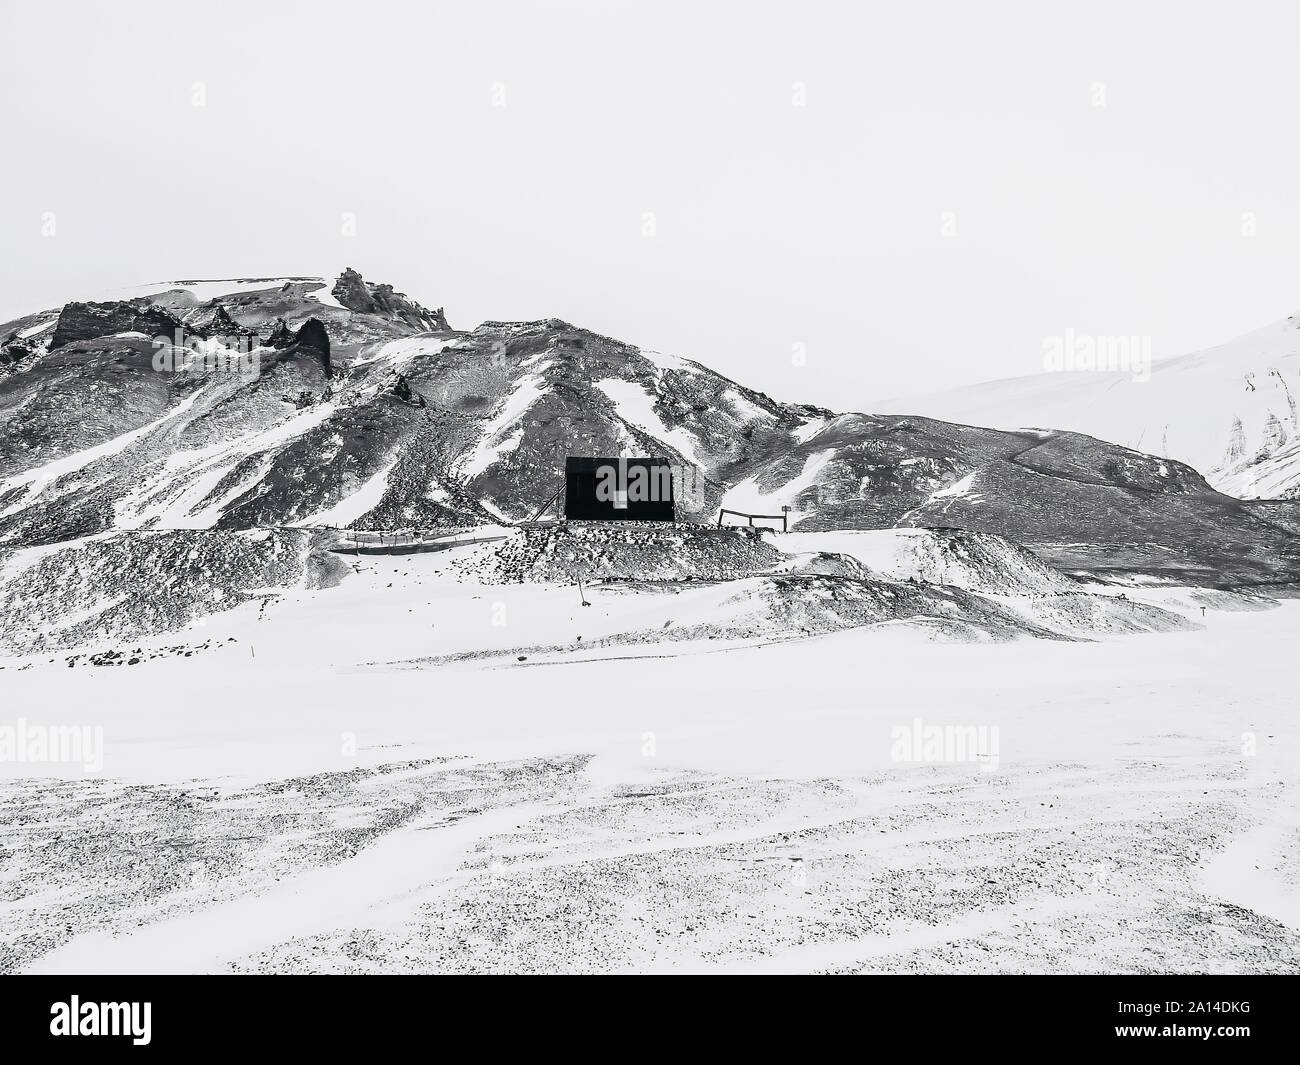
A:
(316, 794)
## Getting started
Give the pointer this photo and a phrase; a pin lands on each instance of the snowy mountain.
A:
(296, 402)
(363, 408)
(1229, 411)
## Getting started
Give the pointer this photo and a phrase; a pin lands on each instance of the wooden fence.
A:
(782, 518)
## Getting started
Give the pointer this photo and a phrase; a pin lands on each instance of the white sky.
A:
(775, 225)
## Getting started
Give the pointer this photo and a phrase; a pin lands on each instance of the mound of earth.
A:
(1216, 599)
(814, 603)
(138, 584)
(784, 606)
(592, 551)
(828, 563)
(810, 604)
(1088, 615)
(976, 561)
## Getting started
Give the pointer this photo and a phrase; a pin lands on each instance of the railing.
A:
(379, 541)
(783, 518)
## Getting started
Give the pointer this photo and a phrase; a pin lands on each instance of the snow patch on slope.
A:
(37, 480)
(809, 429)
(636, 407)
(745, 409)
(350, 509)
(957, 488)
(325, 297)
(944, 498)
(396, 356)
(204, 290)
(40, 327)
(664, 361)
(158, 502)
(501, 435)
(749, 497)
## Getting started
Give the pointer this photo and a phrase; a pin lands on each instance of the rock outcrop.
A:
(281, 336)
(220, 324)
(357, 295)
(87, 321)
(311, 335)
(311, 340)
(15, 350)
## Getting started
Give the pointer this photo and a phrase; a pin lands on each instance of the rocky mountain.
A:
(1084, 504)
(342, 403)
(1229, 411)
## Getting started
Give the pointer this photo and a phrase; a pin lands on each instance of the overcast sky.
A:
(908, 194)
